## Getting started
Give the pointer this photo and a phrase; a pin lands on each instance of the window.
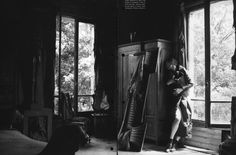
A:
(74, 65)
(211, 44)
(197, 62)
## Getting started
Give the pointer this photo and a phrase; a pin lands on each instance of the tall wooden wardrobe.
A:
(156, 51)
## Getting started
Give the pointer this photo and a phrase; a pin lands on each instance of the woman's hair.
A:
(170, 61)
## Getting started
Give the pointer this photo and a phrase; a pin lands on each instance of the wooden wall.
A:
(207, 138)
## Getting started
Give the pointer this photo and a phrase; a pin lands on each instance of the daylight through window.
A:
(217, 87)
(74, 67)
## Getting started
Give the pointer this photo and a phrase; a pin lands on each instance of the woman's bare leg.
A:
(175, 124)
(174, 128)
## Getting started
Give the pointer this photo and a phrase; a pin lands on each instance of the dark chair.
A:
(65, 140)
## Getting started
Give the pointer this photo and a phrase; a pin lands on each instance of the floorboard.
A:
(105, 147)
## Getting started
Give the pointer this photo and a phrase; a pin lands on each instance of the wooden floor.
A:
(13, 142)
(103, 147)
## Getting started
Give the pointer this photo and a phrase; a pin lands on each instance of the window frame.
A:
(205, 5)
(76, 50)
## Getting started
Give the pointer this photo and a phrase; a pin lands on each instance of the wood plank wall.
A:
(207, 138)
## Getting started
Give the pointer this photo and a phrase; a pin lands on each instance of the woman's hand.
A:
(177, 91)
(171, 81)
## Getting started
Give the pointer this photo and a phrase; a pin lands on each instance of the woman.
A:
(178, 83)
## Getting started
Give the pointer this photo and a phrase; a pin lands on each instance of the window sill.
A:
(199, 123)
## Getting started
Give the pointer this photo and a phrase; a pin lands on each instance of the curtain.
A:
(99, 88)
(181, 44)
(38, 80)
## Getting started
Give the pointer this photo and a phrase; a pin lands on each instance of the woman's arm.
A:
(180, 91)
(170, 81)
(186, 87)
(187, 83)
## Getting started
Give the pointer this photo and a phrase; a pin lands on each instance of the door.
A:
(211, 42)
(127, 64)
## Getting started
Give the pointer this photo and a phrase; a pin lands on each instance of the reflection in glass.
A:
(220, 113)
(86, 75)
(85, 103)
(223, 83)
(197, 62)
(198, 110)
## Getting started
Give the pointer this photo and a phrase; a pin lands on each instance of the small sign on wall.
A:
(135, 4)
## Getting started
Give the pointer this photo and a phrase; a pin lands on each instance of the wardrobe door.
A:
(151, 105)
(163, 128)
(127, 64)
(157, 126)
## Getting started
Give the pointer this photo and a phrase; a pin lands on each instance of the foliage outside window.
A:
(222, 78)
(65, 63)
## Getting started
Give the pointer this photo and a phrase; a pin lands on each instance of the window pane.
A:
(85, 103)
(56, 69)
(56, 106)
(223, 83)
(67, 59)
(220, 113)
(198, 110)
(197, 62)
(67, 55)
(86, 74)
(197, 52)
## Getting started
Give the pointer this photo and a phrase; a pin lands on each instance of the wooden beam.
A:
(76, 50)
(207, 62)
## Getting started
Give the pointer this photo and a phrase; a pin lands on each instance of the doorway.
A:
(211, 44)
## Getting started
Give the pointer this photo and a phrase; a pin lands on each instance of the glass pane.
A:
(85, 103)
(223, 83)
(56, 68)
(220, 113)
(67, 55)
(86, 74)
(198, 110)
(197, 62)
(56, 106)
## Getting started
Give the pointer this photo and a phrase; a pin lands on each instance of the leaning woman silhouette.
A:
(178, 83)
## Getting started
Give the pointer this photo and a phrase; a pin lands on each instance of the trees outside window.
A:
(74, 67)
(221, 85)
